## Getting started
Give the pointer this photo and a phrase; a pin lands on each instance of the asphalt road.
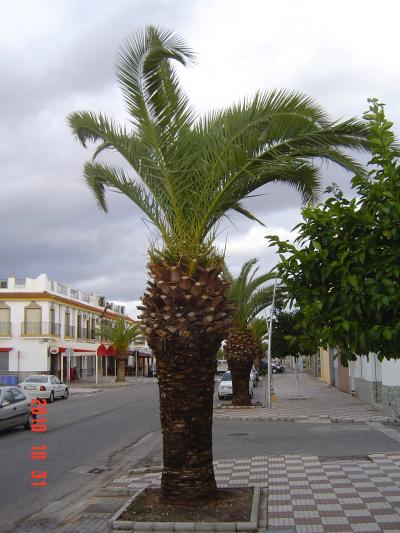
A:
(89, 435)
(82, 433)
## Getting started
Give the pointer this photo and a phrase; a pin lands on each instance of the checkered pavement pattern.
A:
(303, 495)
(313, 401)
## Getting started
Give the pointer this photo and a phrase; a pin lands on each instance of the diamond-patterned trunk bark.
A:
(186, 317)
(121, 366)
(240, 351)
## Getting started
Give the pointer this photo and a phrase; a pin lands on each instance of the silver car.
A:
(15, 408)
(45, 386)
(225, 386)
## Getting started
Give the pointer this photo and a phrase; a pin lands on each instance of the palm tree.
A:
(187, 173)
(251, 296)
(120, 336)
(259, 328)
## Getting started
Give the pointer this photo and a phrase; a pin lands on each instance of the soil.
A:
(229, 505)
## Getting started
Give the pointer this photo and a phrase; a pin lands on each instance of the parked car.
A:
(277, 368)
(225, 386)
(222, 366)
(45, 386)
(254, 376)
(15, 408)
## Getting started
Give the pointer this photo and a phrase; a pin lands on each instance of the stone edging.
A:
(206, 527)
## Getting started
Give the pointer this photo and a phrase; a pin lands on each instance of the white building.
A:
(378, 382)
(42, 320)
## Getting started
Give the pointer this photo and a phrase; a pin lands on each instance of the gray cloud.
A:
(57, 57)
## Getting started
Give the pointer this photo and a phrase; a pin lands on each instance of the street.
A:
(88, 435)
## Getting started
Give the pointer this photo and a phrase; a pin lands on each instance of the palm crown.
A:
(190, 171)
(249, 292)
(120, 335)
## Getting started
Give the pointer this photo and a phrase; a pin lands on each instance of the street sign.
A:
(69, 352)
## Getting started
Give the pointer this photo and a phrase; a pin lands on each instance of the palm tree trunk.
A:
(240, 373)
(186, 317)
(240, 350)
(120, 369)
(186, 386)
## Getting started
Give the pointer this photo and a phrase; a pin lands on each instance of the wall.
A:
(391, 387)
(325, 366)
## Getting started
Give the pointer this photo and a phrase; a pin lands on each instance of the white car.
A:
(15, 408)
(225, 387)
(45, 386)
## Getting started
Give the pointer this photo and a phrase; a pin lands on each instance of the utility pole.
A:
(269, 375)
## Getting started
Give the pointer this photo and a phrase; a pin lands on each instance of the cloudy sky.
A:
(58, 56)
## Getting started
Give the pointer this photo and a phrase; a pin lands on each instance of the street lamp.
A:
(269, 375)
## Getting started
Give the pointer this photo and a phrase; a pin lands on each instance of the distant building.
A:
(42, 320)
(372, 381)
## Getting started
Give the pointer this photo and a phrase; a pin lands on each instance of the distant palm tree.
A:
(251, 295)
(259, 328)
(121, 337)
(187, 173)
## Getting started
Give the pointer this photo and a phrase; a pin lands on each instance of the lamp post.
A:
(269, 375)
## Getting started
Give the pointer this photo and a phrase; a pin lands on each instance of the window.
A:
(53, 380)
(4, 360)
(33, 319)
(17, 395)
(7, 397)
(4, 319)
(37, 379)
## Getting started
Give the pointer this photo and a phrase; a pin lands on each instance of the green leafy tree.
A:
(187, 173)
(345, 276)
(251, 295)
(285, 340)
(121, 337)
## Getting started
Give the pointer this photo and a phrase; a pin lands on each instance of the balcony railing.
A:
(69, 331)
(40, 329)
(87, 334)
(5, 329)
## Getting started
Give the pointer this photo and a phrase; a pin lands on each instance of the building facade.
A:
(46, 326)
(378, 382)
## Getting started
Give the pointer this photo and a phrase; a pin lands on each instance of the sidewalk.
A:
(311, 401)
(299, 494)
(88, 387)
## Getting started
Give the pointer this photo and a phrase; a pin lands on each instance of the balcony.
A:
(69, 331)
(5, 329)
(87, 334)
(40, 329)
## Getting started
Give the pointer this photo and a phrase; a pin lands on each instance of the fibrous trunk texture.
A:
(240, 350)
(186, 317)
(121, 368)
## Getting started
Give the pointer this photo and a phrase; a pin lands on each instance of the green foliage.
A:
(285, 337)
(249, 292)
(344, 276)
(121, 335)
(259, 327)
(187, 172)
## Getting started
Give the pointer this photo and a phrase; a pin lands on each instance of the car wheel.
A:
(66, 394)
(51, 397)
(28, 423)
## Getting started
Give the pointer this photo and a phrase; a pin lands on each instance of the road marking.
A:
(390, 432)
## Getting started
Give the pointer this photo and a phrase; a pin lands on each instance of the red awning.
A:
(77, 350)
(103, 351)
(6, 349)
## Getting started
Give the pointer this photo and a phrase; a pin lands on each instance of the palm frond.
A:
(250, 292)
(191, 173)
